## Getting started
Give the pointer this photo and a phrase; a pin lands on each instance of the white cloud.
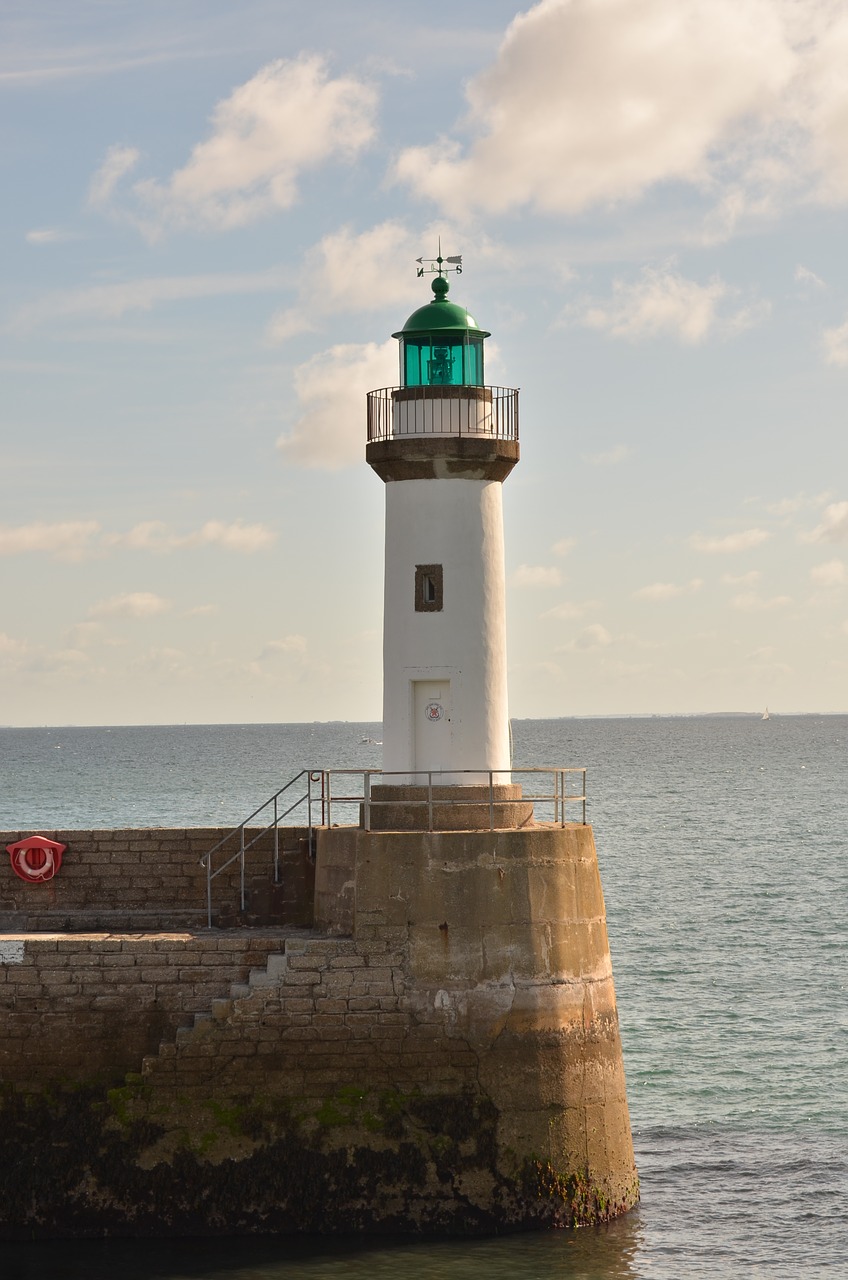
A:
(833, 526)
(663, 303)
(564, 546)
(536, 575)
(290, 117)
(749, 602)
(236, 536)
(118, 162)
(659, 591)
(610, 457)
(331, 389)
(111, 301)
(732, 542)
(570, 609)
(10, 648)
(131, 604)
(67, 540)
(803, 275)
(47, 235)
(592, 637)
(741, 579)
(589, 103)
(288, 644)
(349, 272)
(832, 573)
(835, 345)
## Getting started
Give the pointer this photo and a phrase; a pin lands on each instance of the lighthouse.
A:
(444, 442)
(481, 994)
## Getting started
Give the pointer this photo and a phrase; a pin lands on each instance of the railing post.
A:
(209, 890)
(366, 801)
(430, 801)
(276, 845)
(491, 801)
(584, 797)
(329, 793)
(241, 863)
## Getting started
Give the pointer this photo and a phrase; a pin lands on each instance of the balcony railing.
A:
(481, 412)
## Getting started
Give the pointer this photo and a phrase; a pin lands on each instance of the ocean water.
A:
(723, 844)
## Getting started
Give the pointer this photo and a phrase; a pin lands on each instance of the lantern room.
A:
(440, 344)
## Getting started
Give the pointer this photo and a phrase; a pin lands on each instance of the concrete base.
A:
(504, 934)
(453, 808)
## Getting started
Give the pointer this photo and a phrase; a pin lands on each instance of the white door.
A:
(432, 725)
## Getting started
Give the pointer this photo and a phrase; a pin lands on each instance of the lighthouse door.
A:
(432, 725)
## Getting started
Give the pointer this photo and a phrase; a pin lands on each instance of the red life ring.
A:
(36, 858)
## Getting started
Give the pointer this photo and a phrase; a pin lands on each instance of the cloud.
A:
(288, 644)
(803, 275)
(111, 301)
(732, 542)
(589, 103)
(47, 235)
(290, 117)
(536, 575)
(835, 345)
(663, 303)
(593, 637)
(66, 540)
(610, 458)
(154, 535)
(118, 162)
(658, 591)
(564, 546)
(832, 573)
(10, 648)
(741, 579)
(570, 609)
(833, 526)
(349, 272)
(331, 390)
(752, 603)
(131, 604)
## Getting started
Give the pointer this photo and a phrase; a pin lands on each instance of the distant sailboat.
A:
(766, 715)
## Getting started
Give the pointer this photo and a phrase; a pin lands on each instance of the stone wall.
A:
(452, 1065)
(148, 879)
(85, 1007)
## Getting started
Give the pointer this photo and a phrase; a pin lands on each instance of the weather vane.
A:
(437, 265)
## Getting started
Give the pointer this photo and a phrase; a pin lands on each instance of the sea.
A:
(723, 845)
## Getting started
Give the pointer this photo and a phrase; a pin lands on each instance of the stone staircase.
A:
(261, 979)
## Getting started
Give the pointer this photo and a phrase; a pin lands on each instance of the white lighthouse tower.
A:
(444, 442)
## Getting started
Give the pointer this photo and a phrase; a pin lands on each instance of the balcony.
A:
(397, 413)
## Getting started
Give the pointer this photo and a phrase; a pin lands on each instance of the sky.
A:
(210, 219)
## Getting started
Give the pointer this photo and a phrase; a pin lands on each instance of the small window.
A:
(428, 588)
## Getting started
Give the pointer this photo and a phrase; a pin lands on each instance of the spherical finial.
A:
(440, 288)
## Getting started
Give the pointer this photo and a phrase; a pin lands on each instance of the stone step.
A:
(262, 978)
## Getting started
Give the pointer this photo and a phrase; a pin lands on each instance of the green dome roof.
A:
(440, 315)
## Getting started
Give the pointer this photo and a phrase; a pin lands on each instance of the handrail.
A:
(311, 775)
(320, 799)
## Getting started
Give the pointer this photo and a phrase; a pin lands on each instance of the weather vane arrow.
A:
(437, 265)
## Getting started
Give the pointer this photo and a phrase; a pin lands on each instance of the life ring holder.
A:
(36, 859)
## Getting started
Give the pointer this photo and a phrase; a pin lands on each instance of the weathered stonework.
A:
(442, 1057)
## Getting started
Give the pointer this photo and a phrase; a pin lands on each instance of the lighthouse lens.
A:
(438, 362)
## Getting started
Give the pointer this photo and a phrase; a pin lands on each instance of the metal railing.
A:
(480, 412)
(321, 797)
(276, 808)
